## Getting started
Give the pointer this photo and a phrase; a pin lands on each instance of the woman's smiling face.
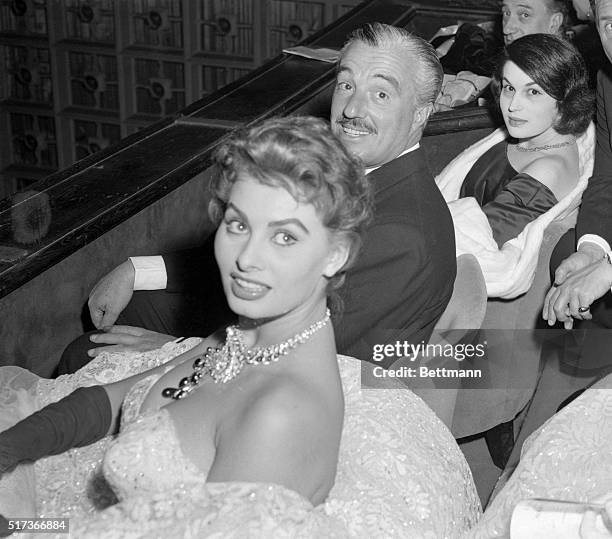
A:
(274, 252)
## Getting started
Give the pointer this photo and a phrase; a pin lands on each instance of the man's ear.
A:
(338, 257)
(556, 21)
(422, 114)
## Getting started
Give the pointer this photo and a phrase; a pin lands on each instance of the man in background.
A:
(524, 17)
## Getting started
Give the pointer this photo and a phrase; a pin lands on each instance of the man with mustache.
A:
(387, 81)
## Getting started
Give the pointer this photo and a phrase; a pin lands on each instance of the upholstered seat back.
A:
(467, 306)
(463, 314)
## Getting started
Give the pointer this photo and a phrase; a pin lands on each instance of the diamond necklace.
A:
(545, 147)
(224, 363)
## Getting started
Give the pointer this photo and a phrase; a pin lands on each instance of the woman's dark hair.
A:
(559, 69)
(301, 155)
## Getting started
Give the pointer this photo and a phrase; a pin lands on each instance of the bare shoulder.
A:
(284, 434)
(285, 406)
(282, 421)
(559, 172)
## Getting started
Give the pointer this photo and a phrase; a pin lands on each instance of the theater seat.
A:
(468, 303)
(514, 332)
(463, 314)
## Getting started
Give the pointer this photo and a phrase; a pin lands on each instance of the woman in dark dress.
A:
(544, 98)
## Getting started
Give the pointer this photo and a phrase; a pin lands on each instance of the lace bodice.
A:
(147, 456)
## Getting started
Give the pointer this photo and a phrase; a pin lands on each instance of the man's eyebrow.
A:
(292, 220)
(393, 81)
(390, 79)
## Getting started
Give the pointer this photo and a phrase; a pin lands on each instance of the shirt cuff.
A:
(597, 240)
(149, 272)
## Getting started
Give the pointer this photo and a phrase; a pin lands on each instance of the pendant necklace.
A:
(225, 362)
(545, 147)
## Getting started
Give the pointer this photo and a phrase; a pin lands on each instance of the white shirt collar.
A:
(411, 149)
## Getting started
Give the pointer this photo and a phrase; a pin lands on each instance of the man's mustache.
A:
(357, 124)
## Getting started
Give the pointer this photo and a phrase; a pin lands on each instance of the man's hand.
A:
(111, 294)
(578, 291)
(583, 257)
(128, 339)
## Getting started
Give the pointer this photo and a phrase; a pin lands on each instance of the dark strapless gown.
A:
(509, 199)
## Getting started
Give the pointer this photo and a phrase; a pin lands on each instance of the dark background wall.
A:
(78, 75)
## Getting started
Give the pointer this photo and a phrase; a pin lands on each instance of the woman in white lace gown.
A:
(248, 437)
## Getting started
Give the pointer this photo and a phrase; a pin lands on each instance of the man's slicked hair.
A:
(423, 63)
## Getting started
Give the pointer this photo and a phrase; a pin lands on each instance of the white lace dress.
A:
(568, 458)
(400, 472)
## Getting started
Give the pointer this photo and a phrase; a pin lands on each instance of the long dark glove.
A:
(79, 419)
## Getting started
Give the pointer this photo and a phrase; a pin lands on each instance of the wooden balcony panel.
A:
(86, 204)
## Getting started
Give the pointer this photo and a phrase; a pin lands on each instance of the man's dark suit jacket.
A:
(595, 214)
(403, 277)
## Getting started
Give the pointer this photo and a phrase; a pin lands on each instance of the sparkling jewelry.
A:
(224, 363)
(545, 147)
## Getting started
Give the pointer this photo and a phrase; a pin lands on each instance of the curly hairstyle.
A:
(301, 155)
(559, 69)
